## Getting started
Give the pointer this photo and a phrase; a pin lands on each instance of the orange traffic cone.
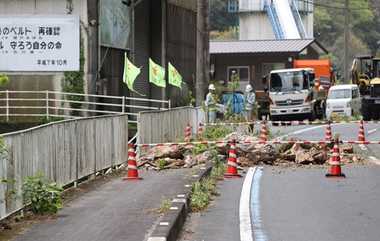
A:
(328, 134)
(263, 133)
(132, 164)
(188, 133)
(232, 162)
(361, 135)
(335, 165)
(200, 131)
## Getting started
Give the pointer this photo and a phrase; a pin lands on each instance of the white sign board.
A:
(39, 43)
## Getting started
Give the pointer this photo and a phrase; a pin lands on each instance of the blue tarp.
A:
(237, 101)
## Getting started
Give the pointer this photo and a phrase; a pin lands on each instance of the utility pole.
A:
(203, 57)
(346, 41)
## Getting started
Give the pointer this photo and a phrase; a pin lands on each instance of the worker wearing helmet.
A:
(211, 104)
(249, 102)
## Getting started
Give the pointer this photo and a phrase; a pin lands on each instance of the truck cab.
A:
(289, 90)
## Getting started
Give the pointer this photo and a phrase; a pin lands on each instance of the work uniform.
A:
(211, 105)
(249, 100)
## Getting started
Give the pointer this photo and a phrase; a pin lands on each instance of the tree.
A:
(220, 18)
(364, 26)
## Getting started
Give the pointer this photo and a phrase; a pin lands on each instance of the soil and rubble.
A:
(175, 156)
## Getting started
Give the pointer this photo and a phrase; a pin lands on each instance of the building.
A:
(164, 30)
(275, 19)
(252, 59)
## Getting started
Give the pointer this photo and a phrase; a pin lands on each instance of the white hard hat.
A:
(211, 87)
(248, 88)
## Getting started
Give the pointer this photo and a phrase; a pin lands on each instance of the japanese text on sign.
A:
(39, 43)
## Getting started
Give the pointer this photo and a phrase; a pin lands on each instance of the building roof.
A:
(263, 46)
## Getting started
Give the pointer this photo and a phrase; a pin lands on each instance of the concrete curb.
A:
(172, 222)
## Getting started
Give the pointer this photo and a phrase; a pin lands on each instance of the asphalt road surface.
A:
(115, 211)
(297, 204)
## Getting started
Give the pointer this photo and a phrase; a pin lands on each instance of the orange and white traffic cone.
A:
(200, 131)
(232, 165)
(132, 164)
(335, 165)
(361, 135)
(263, 133)
(328, 134)
(188, 133)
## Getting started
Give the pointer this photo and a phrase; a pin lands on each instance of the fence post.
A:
(123, 105)
(47, 104)
(7, 105)
(169, 104)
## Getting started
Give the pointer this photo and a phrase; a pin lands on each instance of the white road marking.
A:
(363, 147)
(372, 131)
(244, 207)
(306, 130)
(259, 234)
(374, 160)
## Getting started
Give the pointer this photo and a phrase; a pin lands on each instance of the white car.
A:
(343, 100)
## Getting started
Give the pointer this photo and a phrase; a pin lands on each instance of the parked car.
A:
(343, 100)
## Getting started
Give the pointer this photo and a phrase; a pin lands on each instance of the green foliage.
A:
(220, 18)
(3, 147)
(165, 206)
(44, 196)
(213, 133)
(161, 164)
(73, 82)
(364, 25)
(4, 80)
(200, 198)
(199, 148)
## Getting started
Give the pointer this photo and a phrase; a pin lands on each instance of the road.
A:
(297, 204)
(115, 211)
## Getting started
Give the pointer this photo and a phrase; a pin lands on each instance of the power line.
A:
(331, 6)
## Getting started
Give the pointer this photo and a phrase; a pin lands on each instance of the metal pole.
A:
(123, 105)
(7, 105)
(346, 40)
(47, 104)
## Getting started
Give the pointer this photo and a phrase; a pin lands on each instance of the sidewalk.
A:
(115, 211)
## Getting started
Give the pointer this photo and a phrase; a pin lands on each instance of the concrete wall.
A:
(48, 80)
(255, 26)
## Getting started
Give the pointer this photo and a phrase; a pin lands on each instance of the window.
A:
(241, 71)
(233, 6)
(340, 94)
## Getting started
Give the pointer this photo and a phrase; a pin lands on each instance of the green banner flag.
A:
(174, 77)
(156, 74)
(130, 73)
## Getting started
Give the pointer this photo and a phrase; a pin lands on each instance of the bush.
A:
(45, 197)
(216, 132)
(199, 148)
(4, 80)
(200, 198)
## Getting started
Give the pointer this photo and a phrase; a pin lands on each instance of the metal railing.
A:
(298, 19)
(66, 105)
(272, 14)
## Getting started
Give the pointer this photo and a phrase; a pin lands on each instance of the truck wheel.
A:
(366, 114)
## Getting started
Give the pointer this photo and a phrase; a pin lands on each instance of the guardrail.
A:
(168, 126)
(73, 105)
(63, 151)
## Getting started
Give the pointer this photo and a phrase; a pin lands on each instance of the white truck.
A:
(289, 91)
